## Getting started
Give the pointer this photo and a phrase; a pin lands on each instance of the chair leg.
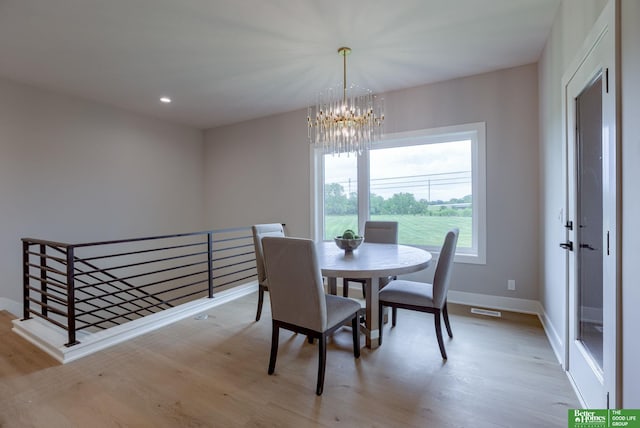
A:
(364, 291)
(275, 333)
(380, 325)
(445, 315)
(345, 288)
(436, 317)
(310, 339)
(355, 326)
(322, 361)
(260, 301)
(394, 315)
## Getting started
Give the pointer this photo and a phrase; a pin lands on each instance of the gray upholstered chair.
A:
(298, 300)
(377, 232)
(423, 297)
(259, 232)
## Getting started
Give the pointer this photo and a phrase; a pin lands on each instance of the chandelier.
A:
(345, 121)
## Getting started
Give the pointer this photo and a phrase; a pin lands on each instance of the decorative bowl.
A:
(348, 244)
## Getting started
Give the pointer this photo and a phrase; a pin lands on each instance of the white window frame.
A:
(476, 132)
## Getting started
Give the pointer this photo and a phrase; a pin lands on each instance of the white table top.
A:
(370, 260)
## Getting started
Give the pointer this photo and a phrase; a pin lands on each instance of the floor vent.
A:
(486, 312)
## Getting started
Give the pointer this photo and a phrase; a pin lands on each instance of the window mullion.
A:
(363, 190)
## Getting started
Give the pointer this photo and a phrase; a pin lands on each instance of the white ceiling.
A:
(225, 61)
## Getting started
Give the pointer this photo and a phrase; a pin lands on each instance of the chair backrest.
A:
(443, 269)
(381, 232)
(295, 282)
(260, 231)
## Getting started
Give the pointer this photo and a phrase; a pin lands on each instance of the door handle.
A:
(567, 245)
(587, 246)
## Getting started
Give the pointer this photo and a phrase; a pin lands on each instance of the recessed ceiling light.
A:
(165, 100)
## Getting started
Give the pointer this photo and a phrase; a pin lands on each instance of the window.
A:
(429, 181)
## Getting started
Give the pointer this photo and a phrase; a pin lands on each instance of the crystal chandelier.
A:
(345, 121)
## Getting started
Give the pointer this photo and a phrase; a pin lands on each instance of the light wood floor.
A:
(213, 373)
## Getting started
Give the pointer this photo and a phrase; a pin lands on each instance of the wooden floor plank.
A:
(213, 373)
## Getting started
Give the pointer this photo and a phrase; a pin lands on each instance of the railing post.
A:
(210, 263)
(43, 280)
(25, 281)
(71, 298)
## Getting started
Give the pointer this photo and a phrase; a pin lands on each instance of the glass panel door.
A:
(590, 220)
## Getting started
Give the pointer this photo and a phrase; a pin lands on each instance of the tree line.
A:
(337, 202)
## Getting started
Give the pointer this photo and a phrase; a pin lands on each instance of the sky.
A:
(429, 171)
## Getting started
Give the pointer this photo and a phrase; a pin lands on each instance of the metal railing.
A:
(97, 285)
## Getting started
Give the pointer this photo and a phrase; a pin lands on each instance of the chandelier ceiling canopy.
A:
(345, 120)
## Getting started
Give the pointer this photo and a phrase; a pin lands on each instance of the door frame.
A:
(605, 30)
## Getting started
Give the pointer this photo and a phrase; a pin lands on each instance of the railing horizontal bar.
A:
(140, 312)
(123, 315)
(52, 321)
(109, 283)
(180, 287)
(48, 295)
(48, 256)
(98, 324)
(235, 280)
(235, 272)
(56, 310)
(95, 314)
(131, 253)
(48, 281)
(235, 247)
(103, 298)
(47, 268)
(228, 250)
(195, 293)
(158, 271)
(145, 263)
(242, 262)
(140, 287)
(56, 295)
(82, 323)
(235, 238)
(155, 238)
(233, 256)
(148, 238)
(121, 300)
(32, 241)
(121, 306)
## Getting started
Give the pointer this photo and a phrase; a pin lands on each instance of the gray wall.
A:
(259, 171)
(630, 74)
(76, 171)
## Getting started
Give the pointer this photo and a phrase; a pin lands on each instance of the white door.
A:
(590, 101)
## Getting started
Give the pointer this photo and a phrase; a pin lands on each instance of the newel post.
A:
(25, 281)
(210, 263)
(71, 298)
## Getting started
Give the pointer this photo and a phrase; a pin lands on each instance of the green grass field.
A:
(412, 229)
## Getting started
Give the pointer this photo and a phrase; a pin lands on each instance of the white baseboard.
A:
(512, 304)
(553, 337)
(11, 306)
(52, 339)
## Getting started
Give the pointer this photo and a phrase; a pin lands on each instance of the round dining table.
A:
(370, 262)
